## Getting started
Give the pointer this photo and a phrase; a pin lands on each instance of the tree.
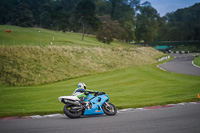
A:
(135, 4)
(102, 7)
(62, 12)
(146, 27)
(129, 34)
(85, 14)
(37, 8)
(182, 25)
(7, 10)
(45, 20)
(110, 29)
(23, 16)
(162, 30)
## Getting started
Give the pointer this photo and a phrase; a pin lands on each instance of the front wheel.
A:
(71, 113)
(109, 108)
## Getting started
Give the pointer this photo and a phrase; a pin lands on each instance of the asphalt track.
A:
(181, 64)
(177, 119)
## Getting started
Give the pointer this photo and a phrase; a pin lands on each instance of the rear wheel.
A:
(71, 113)
(109, 108)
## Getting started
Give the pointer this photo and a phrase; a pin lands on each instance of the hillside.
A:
(31, 60)
(41, 37)
(31, 65)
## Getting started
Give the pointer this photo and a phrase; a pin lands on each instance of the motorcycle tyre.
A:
(107, 112)
(69, 114)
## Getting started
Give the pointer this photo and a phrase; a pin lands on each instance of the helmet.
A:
(82, 85)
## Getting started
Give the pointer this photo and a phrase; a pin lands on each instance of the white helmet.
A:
(82, 85)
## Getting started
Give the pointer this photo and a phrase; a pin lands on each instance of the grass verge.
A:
(137, 86)
(197, 61)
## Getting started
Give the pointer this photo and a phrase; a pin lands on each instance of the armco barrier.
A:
(164, 58)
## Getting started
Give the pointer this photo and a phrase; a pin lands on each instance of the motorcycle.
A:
(96, 104)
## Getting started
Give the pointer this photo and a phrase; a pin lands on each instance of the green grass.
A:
(197, 61)
(129, 75)
(33, 65)
(28, 58)
(42, 37)
(129, 88)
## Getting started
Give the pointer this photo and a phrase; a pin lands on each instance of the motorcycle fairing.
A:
(75, 98)
(97, 103)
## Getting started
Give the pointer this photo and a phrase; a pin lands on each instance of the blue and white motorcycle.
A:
(92, 105)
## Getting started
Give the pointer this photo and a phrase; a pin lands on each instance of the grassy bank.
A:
(27, 56)
(41, 37)
(137, 86)
(33, 65)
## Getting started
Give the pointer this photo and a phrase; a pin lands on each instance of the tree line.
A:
(125, 20)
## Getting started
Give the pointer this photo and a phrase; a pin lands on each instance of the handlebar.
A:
(95, 93)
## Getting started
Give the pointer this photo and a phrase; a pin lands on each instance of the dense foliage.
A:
(127, 20)
(182, 25)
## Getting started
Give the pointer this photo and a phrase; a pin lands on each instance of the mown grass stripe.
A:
(128, 88)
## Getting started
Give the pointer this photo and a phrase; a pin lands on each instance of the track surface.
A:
(181, 64)
(177, 119)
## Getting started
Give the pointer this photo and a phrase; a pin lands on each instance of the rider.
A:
(79, 92)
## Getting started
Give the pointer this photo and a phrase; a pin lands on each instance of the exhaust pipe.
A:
(71, 102)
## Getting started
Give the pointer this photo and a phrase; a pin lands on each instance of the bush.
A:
(110, 29)
(104, 36)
